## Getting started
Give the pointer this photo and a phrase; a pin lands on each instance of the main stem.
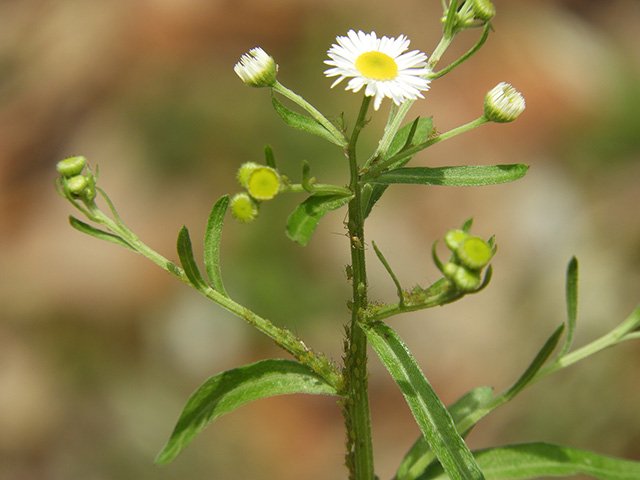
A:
(357, 415)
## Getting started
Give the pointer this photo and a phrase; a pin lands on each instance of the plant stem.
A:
(313, 111)
(357, 414)
(283, 337)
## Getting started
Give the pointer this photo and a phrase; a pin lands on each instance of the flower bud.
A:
(474, 253)
(466, 280)
(257, 68)
(70, 167)
(453, 238)
(483, 10)
(77, 184)
(244, 171)
(503, 103)
(244, 208)
(263, 183)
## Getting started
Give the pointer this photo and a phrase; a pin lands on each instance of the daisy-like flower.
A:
(380, 65)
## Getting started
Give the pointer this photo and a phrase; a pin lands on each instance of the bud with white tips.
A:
(503, 103)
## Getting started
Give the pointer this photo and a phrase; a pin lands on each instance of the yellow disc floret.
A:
(377, 66)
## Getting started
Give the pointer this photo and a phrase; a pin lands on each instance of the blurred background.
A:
(100, 349)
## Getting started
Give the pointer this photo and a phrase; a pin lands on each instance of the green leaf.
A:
(376, 194)
(417, 458)
(533, 460)
(212, 236)
(432, 417)
(305, 218)
(269, 159)
(572, 304)
(302, 122)
(185, 253)
(229, 390)
(422, 128)
(537, 363)
(97, 233)
(463, 176)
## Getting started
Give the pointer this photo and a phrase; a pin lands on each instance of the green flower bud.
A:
(466, 280)
(71, 166)
(257, 68)
(77, 184)
(474, 253)
(453, 238)
(483, 10)
(244, 171)
(244, 208)
(263, 183)
(450, 270)
(503, 103)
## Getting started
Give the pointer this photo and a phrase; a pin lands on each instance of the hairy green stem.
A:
(283, 337)
(357, 414)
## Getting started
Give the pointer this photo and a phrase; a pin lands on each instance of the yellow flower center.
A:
(377, 66)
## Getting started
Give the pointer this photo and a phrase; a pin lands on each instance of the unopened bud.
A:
(244, 171)
(503, 103)
(257, 68)
(474, 253)
(244, 208)
(466, 280)
(70, 167)
(263, 183)
(76, 185)
(483, 10)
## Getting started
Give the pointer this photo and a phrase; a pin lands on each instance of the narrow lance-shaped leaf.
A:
(456, 176)
(185, 253)
(305, 218)
(421, 128)
(212, 237)
(418, 457)
(97, 233)
(432, 417)
(537, 363)
(302, 122)
(534, 460)
(572, 304)
(229, 390)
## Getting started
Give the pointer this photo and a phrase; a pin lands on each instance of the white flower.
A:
(379, 64)
(257, 68)
(503, 103)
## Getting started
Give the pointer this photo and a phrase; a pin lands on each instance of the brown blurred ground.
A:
(99, 349)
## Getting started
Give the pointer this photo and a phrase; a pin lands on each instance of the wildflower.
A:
(257, 68)
(503, 103)
(244, 208)
(380, 65)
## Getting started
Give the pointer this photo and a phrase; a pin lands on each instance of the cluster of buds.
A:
(72, 183)
(472, 13)
(261, 183)
(470, 254)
